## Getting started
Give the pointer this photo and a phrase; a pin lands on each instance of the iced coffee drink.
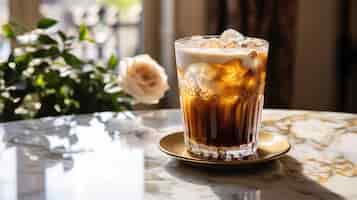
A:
(221, 81)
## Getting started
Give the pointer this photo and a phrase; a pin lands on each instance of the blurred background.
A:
(312, 59)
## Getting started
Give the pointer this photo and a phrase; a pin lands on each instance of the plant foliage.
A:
(43, 77)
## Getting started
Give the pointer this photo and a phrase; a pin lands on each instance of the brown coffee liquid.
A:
(229, 115)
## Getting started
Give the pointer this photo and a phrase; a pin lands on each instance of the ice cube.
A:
(252, 43)
(190, 75)
(230, 35)
(231, 44)
(252, 60)
(200, 76)
(249, 62)
(212, 43)
(251, 83)
(232, 72)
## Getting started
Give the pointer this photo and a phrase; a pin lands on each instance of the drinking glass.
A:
(221, 94)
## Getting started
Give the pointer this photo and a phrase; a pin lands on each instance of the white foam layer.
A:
(197, 50)
(187, 56)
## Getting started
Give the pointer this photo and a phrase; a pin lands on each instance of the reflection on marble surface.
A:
(115, 156)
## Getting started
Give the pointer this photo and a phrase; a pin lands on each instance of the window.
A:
(114, 24)
(4, 16)
(3, 11)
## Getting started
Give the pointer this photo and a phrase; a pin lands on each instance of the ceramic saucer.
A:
(271, 146)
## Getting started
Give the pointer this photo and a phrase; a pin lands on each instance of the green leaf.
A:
(52, 52)
(52, 79)
(40, 81)
(12, 29)
(45, 39)
(71, 59)
(113, 62)
(46, 23)
(23, 59)
(66, 91)
(62, 35)
(84, 33)
(71, 102)
(50, 91)
(8, 31)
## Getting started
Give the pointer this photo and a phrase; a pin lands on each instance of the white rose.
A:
(143, 78)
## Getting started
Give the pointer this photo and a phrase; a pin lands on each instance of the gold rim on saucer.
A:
(271, 146)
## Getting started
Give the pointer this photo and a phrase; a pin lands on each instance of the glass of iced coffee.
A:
(221, 81)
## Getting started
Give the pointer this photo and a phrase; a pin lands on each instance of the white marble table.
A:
(115, 156)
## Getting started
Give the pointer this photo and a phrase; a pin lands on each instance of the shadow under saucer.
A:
(278, 179)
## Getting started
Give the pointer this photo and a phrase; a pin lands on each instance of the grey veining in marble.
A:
(116, 156)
